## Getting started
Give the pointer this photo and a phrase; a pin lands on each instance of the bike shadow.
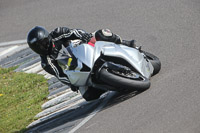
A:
(69, 120)
(120, 97)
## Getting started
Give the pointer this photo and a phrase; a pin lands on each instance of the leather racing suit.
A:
(61, 36)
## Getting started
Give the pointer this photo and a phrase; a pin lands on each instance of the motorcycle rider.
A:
(48, 46)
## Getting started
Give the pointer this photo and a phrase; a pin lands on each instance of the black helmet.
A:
(38, 40)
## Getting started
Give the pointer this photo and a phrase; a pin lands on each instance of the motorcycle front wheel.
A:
(154, 61)
(124, 81)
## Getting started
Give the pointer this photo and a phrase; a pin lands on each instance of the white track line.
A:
(5, 44)
(35, 69)
(103, 103)
(8, 50)
(31, 66)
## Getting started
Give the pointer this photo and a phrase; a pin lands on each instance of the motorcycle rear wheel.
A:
(123, 81)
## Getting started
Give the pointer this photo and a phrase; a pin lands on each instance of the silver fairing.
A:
(88, 55)
(131, 55)
(84, 54)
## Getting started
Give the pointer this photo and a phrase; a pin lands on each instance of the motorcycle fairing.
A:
(84, 54)
(88, 55)
(131, 55)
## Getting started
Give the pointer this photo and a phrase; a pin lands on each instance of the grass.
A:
(21, 97)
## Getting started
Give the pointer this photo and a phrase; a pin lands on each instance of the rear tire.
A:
(123, 82)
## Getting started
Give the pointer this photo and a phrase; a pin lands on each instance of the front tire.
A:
(124, 82)
(154, 61)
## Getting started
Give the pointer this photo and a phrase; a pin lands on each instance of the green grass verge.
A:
(21, 97)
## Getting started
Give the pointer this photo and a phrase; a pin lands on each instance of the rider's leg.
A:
(107, 35)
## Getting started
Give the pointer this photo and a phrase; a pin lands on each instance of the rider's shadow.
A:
(120, 97)
(67, 121)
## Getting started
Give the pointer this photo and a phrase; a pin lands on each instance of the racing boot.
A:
(129, 43)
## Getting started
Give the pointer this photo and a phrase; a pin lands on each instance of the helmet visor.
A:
(43, 46)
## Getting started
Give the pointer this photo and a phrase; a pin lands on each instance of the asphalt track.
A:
(166, 28)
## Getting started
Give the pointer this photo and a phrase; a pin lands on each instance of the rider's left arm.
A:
(69, 34)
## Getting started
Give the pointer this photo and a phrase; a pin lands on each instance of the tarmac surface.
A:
(169, 29)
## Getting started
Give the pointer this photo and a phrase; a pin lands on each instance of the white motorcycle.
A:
(108, 66)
